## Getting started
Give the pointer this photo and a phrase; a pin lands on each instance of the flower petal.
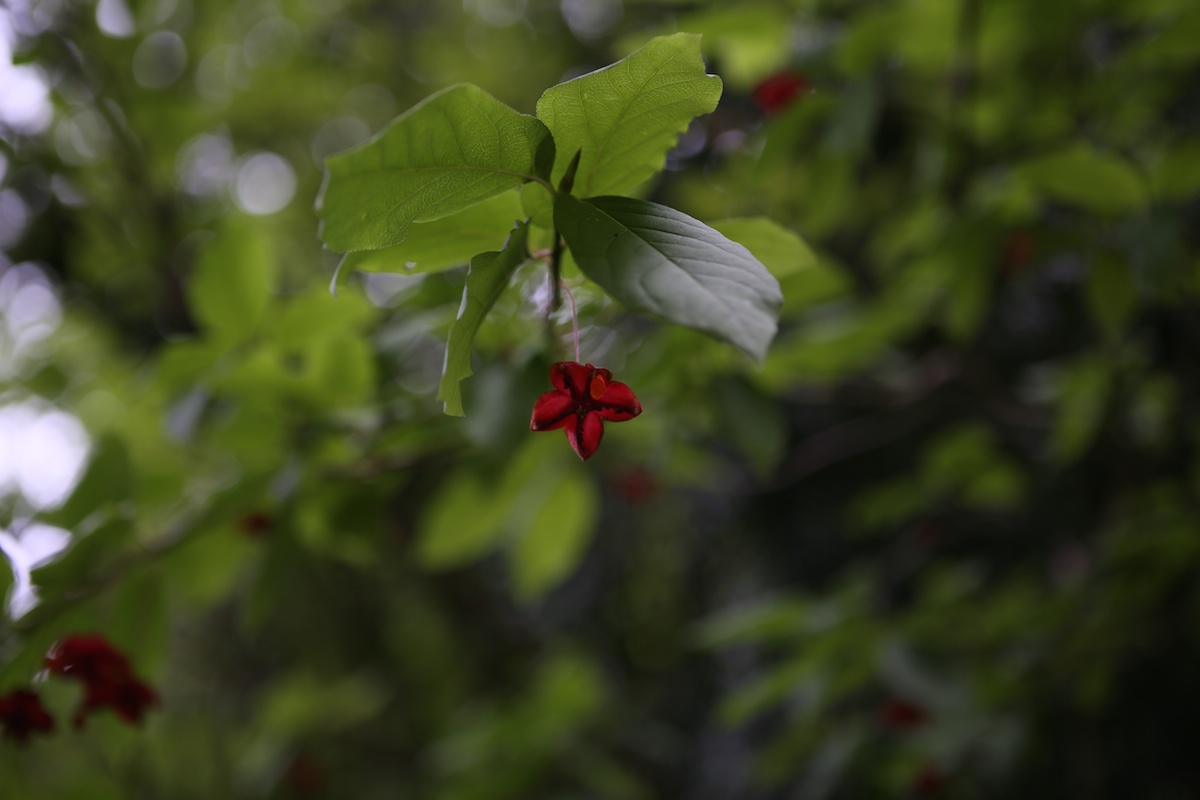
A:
(584, 433)
(551, 411)
(132, 699)
(617, 404)
(572, 377)
(22, 715)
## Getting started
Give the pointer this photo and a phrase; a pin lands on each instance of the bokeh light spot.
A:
(113, 19)
(265, 184)
(24, 98)
(497, 13)
(14, 217)
(42, 453)
(159, 60)
(591, 19)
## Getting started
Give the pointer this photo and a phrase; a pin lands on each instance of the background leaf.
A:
(748, 41)
(1086, 177)
(462, 522)
(233, 280)
(553, 543)
(780, 250)
(486, 278)
(626, 116)
(447, 153)
(661, 261)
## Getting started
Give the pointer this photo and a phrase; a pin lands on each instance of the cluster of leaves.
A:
(455, 160)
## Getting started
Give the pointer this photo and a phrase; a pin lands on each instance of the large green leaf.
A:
(625, 117)
(661, 261)
(447, 242)
(233, 281)
(447, 153)
(486, 279)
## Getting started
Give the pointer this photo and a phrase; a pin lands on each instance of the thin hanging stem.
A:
(574, 317)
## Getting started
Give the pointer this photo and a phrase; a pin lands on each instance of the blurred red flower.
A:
(304, 777)
(929, 782)
(775, 93)
(105, 674)
(255, 524)
(584, 397)
(1019, 249)
(636, 485)
(22, 714)
(902, 715)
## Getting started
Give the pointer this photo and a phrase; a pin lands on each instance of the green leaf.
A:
(1176, 175)
(310, 318)
(554, 542)
(233, 281)
(88, 559)
(748, 42)
(302, 703)
(810, 287)
(1111, 293)
(181, 364)
(447, 153)
(781, 619)
(208, 566)
(626, 116)
(1088, 178)
(752, 421)
(486, 278)
(461, 523)
(769, 690)
(661, 261)
(538, 204)
(341, 370)
(780, 250)
(1083, 394)
(447, 242)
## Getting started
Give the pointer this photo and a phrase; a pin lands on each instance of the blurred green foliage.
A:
(966, 476)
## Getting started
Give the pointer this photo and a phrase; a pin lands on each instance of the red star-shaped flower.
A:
(21, 714)
(584, 397)
(106, 675)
